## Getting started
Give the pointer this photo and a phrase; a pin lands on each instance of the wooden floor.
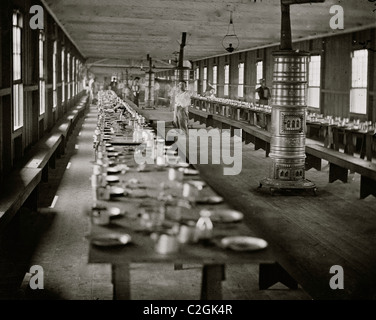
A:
(309, 234)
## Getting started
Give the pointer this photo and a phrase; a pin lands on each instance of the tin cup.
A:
(100, 216)
(187, 233)
(166, 243)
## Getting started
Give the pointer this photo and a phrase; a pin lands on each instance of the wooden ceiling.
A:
(120, 33)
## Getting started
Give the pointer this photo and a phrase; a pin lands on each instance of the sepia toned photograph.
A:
(221, 151)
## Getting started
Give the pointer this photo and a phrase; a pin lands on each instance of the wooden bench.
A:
(201, 116)
(43, 154)
(259, 137)
(340, 164)
(19, 189)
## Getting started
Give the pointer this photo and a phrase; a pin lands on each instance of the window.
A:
(76, 77)
(241, 80)
(359, 73)
(197, 78)
(215, 78)
(205, 79)
(54, 75)
(42, 83)
(314, 76)
(69, 75)
(259, 74)
(227, 80)
(63, 75)
(17, 71)
(73, 75)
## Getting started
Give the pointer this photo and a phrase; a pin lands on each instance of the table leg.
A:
(369, 138)
(121, 281)
(212, 276)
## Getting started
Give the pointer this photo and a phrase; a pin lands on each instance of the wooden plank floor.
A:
(310, 234)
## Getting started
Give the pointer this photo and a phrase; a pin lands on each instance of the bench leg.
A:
(267, 149)
(45, 174)
(121, 281)
(249, 139)
(32, 201)
(271, 273)
(367, 187)
(312, 162)
(211, 288)
(261, 144)
(209, 121)
(178, 266)
(52, 162)
(337, 172)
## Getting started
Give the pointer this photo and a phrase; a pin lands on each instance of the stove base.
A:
(280, 185)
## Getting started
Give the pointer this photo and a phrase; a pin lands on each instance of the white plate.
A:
(210, 200)
(111, 240)
(114, 211)
(226, 215)
(112, 178)
(109, 149)
(243, 243)
(112, 154)
(117, 191)
(112, 170)
(190, 172)
(197, 183)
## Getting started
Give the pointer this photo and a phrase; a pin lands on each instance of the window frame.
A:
(215, 77)
(312, 85)
(360, 88)
(63, 75)
(204, 79)
(241, 79)
(197, 78)
(68, 76)
(17, 81)
(42, 80)
(226, 87)
(259, 75)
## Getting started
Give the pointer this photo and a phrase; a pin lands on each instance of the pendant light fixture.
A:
(230, 41)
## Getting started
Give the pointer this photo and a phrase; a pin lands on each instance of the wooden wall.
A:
(14, 144)
(335, 54)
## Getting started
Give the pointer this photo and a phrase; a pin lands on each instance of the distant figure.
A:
(263, 93)
(210, 93)
(182, 103)
(156, 92)
(91, 89)
(126, 91)
(136, 90)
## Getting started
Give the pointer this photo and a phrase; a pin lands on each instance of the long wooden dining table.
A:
(140, 188)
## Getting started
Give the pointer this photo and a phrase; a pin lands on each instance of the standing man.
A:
(182, 103)
(136, 90)
(264, 96)
(263, 93)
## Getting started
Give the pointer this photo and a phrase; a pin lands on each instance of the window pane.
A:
(227, 76)
(359, 69)
(215, 76)
(314, 71)
(358, 101)
(259, 72)
(313, 97)
(17, 106)
(241, 80)
(42, 92)
(205, 79)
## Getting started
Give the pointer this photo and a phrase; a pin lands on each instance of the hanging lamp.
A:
(230, 41)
